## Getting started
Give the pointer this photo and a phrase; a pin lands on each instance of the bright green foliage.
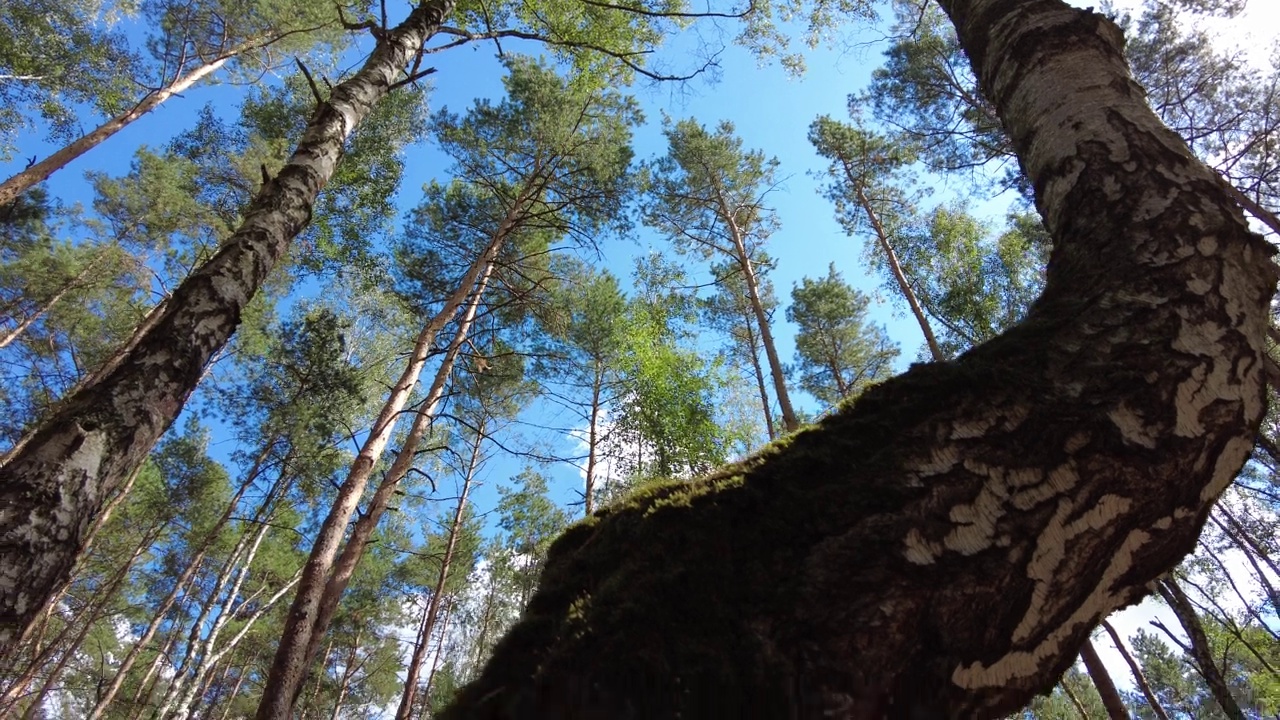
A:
(54, 55)
(668, 419)
(974, 285)
(838, 352)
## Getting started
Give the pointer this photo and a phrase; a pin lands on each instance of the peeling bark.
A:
(943, 546)
(54, 485)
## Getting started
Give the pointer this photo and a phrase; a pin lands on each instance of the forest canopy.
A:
(656, 359)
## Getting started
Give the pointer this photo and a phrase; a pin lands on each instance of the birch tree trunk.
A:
(179, 586)
(944, 546)
(51, 490)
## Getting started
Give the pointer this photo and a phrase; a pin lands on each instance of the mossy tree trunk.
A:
(943, 547)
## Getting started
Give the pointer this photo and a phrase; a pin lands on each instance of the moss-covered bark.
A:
(942, 547)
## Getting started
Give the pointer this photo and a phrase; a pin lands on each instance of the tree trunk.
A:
(593, 440)
(1075, 701)
(1201, 653)
(404, 460)
(1111, 699)
(944, 546)
(40, 171)
(410, 693)
(89, 616)
(324, 580)
(760, 383)
(446, 615)
(1139, 678)
(743, 260)
(184, 578)
(895, 267)
(51, 490)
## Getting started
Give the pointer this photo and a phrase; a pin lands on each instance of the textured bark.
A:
(943, 546)
(1139, 677)
(1201, 653)
(1111, 699)
(54, 486)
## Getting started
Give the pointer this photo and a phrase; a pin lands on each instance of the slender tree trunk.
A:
(1075, 701)
(1139, 678)
(433, 606)
(882, 237)
(348, 670)
(210, 659)
(147, 687)
(41, 170)
(234, 573)
(1252, 552)
(743, 259)
(324, 580)
(44, 308)
(944, 546)
(593, 440)
(1111, 699)
(446, 615)
(53, 488)
(761, 386)
(179, 585)
(235, 692)
(404, 460)
(203, 651)
(88, 617)
(1201, 653)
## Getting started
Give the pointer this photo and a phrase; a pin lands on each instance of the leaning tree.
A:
(943, 546)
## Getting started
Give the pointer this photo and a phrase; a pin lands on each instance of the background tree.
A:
(838, 353)
(709, 192)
